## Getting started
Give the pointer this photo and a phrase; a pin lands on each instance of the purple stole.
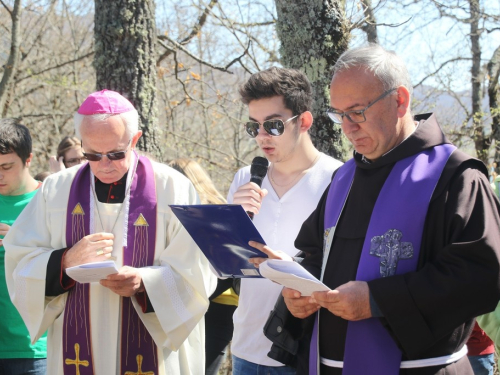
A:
(138, 352)
(391, 246)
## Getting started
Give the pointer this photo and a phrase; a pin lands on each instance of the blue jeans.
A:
(23, 366)
(482, 364)
(242, 367)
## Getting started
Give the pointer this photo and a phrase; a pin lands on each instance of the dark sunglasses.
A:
(119, 155)
(272, 127)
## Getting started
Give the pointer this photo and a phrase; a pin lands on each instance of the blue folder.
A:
(222, 232)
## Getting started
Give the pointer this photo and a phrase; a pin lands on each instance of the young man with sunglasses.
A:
(17, 188)
(279, 104)
(407, 236)
(147, 317)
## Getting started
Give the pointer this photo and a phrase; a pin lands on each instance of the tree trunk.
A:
(370, 25)
(313, 35)
(482, 142)
(494, 99)
(125, 60)
(12, 61)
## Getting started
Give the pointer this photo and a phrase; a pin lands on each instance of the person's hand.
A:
(56, 165)
(272, 254)
(95, 247)
(4, 228)
(250, 197)
(299, 307)
(126, 283)
(350, 301)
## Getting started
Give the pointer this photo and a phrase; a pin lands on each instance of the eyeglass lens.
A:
(356, 116)
(272, 127)
(111, 156)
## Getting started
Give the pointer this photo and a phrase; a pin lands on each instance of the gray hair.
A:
(130, 119)
(388, 67)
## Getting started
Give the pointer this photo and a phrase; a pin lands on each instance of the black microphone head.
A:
(258, 169)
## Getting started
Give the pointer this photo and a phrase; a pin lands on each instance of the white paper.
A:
(92, 272)
(292, 275)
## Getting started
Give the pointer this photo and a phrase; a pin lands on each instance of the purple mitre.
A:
(105, 101)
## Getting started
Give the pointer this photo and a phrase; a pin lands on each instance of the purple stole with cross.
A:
(138, 352)
(391, 246)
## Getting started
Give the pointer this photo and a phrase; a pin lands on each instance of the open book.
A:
(292, 275)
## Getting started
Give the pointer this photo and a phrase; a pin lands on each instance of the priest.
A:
(147, 318)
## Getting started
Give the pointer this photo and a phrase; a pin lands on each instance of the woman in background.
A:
(223, 302)
(69, 153)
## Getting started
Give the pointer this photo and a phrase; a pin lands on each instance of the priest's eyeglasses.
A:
(272, 127)
(357, 115)
(119, 155)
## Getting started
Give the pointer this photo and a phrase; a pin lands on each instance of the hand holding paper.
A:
(291, 275)
(272, 254)
(92, 272)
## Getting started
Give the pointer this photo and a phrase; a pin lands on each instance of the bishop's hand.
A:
(95, 247)
(126, 283)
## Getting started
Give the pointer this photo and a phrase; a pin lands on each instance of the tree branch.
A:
(194, 31)
(198, 59)
(204, 146)
(13, 59)
(6, 7)
(441, 67)
(55, 67)
(199, 24)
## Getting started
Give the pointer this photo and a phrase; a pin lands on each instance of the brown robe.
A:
(430, 312)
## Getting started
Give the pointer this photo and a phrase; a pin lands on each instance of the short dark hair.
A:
(15, 137)
(291, 84)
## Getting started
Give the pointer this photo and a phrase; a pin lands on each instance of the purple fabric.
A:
(105, 101)
(138, 350)
(408, 189)
(77, 350)
(335, 202)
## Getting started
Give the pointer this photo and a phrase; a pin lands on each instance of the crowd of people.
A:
(406, 234)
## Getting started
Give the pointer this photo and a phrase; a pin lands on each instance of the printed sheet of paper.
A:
(92, 272)
(292, 275)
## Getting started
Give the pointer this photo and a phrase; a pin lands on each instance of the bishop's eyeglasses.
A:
(111, 156)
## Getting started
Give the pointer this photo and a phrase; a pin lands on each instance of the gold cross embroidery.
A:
(139, 367)
(77, 362)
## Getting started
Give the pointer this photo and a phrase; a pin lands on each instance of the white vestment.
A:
(178, 284)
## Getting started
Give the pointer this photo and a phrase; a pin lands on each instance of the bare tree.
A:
(53, 72)
(473, 14)
(369, 25)
(13, 59)
(207, 50)
(125, 59)
(313, 35)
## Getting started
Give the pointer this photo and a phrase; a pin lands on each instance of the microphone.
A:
(258, 171)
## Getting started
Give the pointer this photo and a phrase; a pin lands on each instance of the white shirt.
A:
(279, 222)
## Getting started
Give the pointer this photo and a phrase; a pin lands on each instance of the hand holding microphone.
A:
(249, 195)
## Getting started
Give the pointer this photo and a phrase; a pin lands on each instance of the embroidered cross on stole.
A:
(138, 352)
(391, 246)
